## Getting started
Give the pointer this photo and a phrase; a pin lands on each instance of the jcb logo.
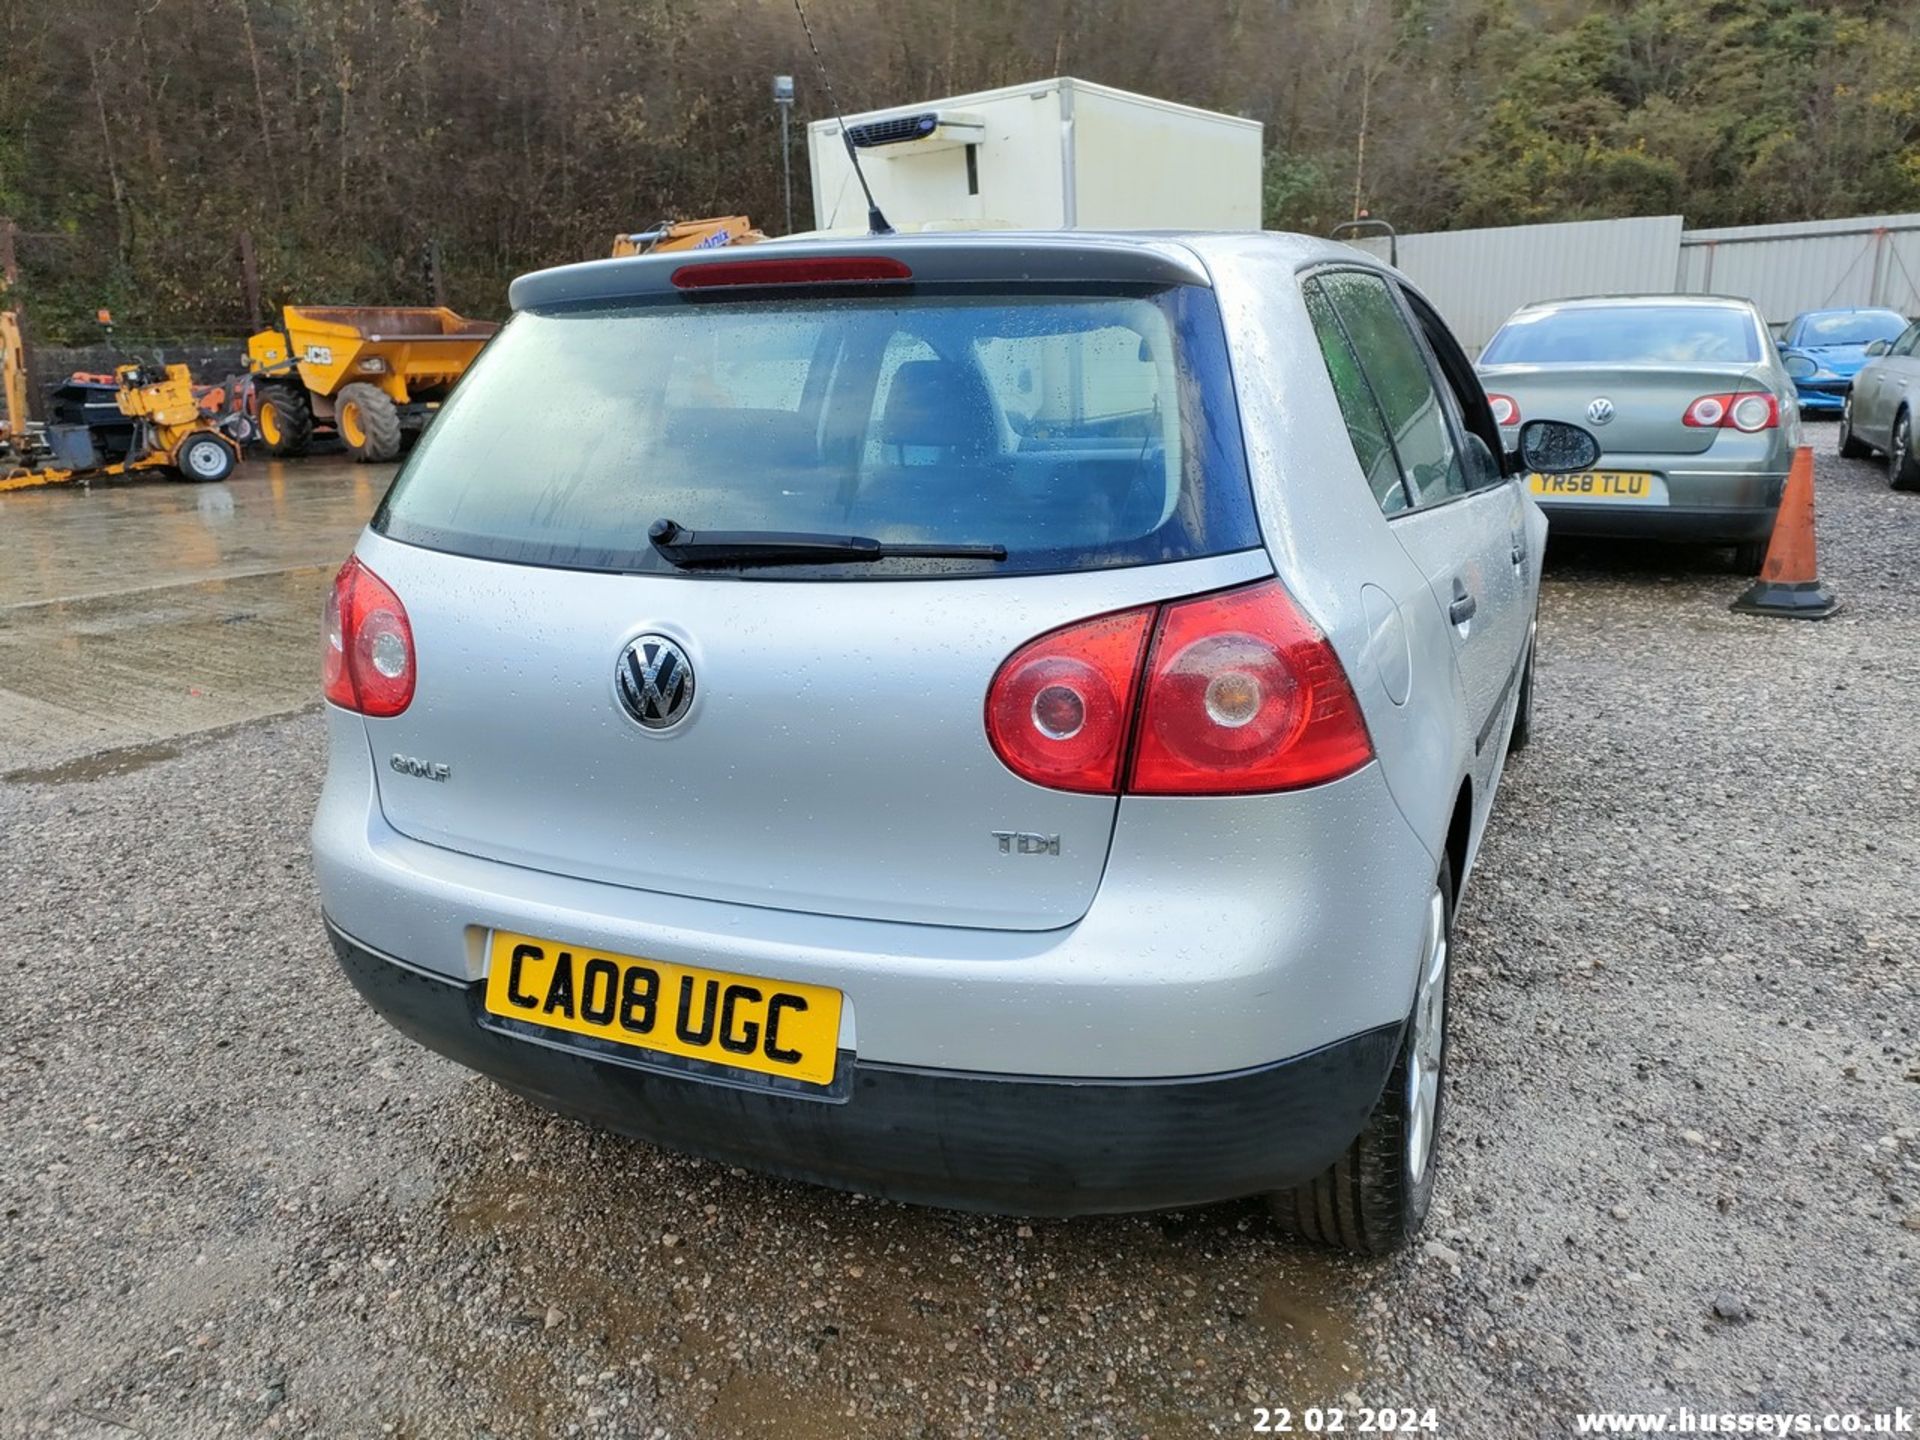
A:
(1026, 842)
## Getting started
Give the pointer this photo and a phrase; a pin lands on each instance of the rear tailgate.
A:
(1645, 403)
(835, 760)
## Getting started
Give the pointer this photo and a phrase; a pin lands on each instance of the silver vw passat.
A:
(1695, 413)
(998, 721)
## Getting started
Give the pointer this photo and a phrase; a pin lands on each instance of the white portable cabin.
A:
(1052, 154)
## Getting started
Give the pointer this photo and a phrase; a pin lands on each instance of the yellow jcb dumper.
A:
(375, 374)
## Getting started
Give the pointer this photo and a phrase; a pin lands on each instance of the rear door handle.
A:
(1463, 607)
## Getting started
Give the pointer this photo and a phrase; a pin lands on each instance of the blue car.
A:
(1824, 349)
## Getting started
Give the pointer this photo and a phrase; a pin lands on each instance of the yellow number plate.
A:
(772, 1026)
(1595, 485)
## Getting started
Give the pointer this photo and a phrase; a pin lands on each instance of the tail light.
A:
(1059, 709)
(1506, 411)
(369, 662)
(1244, 693)
(1226, 694)
(1750, 412)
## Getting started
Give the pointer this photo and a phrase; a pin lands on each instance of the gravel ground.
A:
(1683, 1165)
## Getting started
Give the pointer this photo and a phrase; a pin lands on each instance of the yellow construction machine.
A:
(159, 426)
(708, 234)
(13, 384)
(375, 374)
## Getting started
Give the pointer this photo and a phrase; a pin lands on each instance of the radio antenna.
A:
(876, 222)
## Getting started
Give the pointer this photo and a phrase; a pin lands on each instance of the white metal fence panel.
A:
(1476, 278)
(1479, 277)
(1808, 265)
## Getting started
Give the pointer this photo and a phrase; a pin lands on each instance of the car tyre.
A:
(1851, 448)
(1522, 733)
(1750, 556)
(1375, 1197)
(1903, 466)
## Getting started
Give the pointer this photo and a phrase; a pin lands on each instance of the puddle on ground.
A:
(778, 1305)
(100, 766)
(747, 1405)
(1300, 1307)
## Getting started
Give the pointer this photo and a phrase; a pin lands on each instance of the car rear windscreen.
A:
(1077, 430)
(1850, 327)
(1626, 335)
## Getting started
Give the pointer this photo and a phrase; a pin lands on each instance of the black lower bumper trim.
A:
(1699, 525)
(999, 1143)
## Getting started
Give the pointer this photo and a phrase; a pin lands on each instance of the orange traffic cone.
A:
(1789, 582)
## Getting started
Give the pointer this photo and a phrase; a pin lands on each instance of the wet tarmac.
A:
(135, 612)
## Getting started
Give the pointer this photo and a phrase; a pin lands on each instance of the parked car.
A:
(1822, 350)
(1881, 408)
(994, 720)
(1687, 395)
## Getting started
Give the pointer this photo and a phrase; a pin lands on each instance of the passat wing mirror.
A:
(1553, 447)
(1879, 347)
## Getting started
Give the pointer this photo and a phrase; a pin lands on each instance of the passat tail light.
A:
(1060, 708)
(1751, 412)
(1506, 411)
(1243, 694)
(369, 663)
(1707, 413)
(1226, 694)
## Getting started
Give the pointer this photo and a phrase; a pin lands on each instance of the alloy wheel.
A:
(1428, 1045)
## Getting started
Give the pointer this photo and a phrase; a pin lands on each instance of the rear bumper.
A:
(1725, 495)
(1224, 933)
(1701, 525)
(1002, 1143)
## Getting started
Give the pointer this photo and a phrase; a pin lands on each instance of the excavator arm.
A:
(708, 234)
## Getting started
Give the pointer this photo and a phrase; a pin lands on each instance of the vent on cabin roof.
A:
(895, 131)
(929, 130)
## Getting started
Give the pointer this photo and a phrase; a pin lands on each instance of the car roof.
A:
(1849, 310)
(1608, 302)
(1168, 257)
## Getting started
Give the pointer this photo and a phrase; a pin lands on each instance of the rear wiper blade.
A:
(690, 548)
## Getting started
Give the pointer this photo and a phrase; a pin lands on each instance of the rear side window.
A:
(1365, 427)
(1625, 335)
(1078, 431)
(1403, 386)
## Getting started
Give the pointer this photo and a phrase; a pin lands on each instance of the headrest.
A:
(942, 405)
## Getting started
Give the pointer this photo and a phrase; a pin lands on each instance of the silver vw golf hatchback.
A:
(997, 721)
